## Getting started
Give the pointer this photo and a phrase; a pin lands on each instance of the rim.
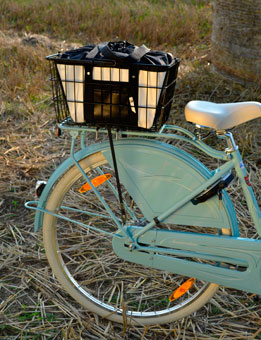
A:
(134, 314)
(109, 307)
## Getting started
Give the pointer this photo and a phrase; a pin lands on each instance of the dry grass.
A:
(158, 23)
(32, 304)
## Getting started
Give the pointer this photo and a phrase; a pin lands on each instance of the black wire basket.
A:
(104, 93)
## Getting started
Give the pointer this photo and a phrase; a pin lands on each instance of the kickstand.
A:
(123, 213)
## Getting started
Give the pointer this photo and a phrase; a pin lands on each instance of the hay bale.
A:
(236, 39)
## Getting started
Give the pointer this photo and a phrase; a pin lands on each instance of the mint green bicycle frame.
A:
(159, 248)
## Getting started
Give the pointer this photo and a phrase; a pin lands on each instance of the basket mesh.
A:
(134, 97)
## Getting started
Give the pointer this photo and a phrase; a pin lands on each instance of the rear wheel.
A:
(86, 266)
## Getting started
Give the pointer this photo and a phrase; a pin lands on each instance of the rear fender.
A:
(174, 173)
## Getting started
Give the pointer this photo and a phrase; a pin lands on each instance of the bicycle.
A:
(139, 231)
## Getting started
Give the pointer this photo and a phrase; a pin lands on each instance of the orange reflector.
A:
(96, 182)
(182, 289)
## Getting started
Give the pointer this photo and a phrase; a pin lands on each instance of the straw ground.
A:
(32, 303)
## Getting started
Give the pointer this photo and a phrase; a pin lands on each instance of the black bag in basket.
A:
(122, 52)
(117, 84)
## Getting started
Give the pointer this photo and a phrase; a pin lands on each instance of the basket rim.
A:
(56, 58)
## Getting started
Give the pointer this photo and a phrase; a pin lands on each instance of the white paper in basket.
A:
(72, 77)
(150, 85)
